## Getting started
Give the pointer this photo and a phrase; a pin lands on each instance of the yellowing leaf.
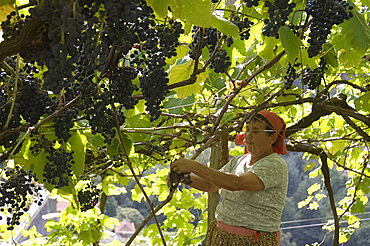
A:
(337, 146)
(313, 188)
(181, 50)
(314, 206)
(301, 204)
(5, 10)
(183, 72)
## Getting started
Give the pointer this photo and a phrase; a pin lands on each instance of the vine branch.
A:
(325, 171)
(133, 173)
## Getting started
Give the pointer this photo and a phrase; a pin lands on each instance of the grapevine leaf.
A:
(337, 146)
(353, 29)
(330, 55)
(113, 148)
(313, 188)
(225, 26)
(176, 105)
(268, 47)
(199, 16)
(110, 222)
(363, 102)
(351, 58)
(290, 42)
(160, 7)
(352, 48)
(183, 72)
(6, 6)
(181, 50)
(78, 144)
(366, 2)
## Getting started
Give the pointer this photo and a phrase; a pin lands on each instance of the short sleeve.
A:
(271, 173)
(230, 166)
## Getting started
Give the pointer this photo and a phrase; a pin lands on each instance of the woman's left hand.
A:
(183, 165)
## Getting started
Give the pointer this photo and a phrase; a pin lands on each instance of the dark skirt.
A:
(217, 237)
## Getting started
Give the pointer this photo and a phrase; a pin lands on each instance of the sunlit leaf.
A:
(225, 26)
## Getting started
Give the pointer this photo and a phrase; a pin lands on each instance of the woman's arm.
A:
(247, 181)
(202, 184)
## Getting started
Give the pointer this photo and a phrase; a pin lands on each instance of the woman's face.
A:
(257, 140)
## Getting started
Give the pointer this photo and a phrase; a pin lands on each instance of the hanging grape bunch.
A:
(88, 196)
(57, 169)
(244, 26)
(15, 189)
(291, 75)
(313, 78)
(177, 178)
(251, 3)
(278, 11)
(325, 14)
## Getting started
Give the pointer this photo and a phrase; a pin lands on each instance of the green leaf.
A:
(110, 222)
(267, 48)
(363, 102)
(225, 26)
(183, 72)
(354, 28)
(77, 143)
(176, 106)
(352, 48)
(290, 42)
(309, 166)
(197, 12)
(330, 55)
(160, 7)
(181, 50)
(337, 146)
(112, 149)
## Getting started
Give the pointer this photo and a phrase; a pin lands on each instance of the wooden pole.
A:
(219, 157)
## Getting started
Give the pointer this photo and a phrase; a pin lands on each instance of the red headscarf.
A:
(279, 126)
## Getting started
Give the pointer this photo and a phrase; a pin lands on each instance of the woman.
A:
(252, 186)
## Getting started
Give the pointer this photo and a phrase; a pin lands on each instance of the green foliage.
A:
(332, 118)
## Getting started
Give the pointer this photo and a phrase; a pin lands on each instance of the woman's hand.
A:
(183, 165)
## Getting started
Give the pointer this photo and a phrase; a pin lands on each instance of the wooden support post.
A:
(219, 157)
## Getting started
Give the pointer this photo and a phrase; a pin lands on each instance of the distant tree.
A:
(286, 239)
(111, 206)
(129, 214)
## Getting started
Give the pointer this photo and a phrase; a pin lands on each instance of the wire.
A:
(313, 225)
(312, 219)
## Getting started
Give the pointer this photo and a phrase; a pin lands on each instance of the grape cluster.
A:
(64, 122)
(221, 62)
(313, 78)
(210, 38)
(33, 103)
(176, 178)
(122, 88)
(291, 75)
(39, 143)
(9, 140)
(168, 37)
(11, 27)
(88, 196)
(244, 26)
(15, 189)
(57, 169)
(325, 14)
(60, 42)
(101, 117)
(278, 16)
(251, 3)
